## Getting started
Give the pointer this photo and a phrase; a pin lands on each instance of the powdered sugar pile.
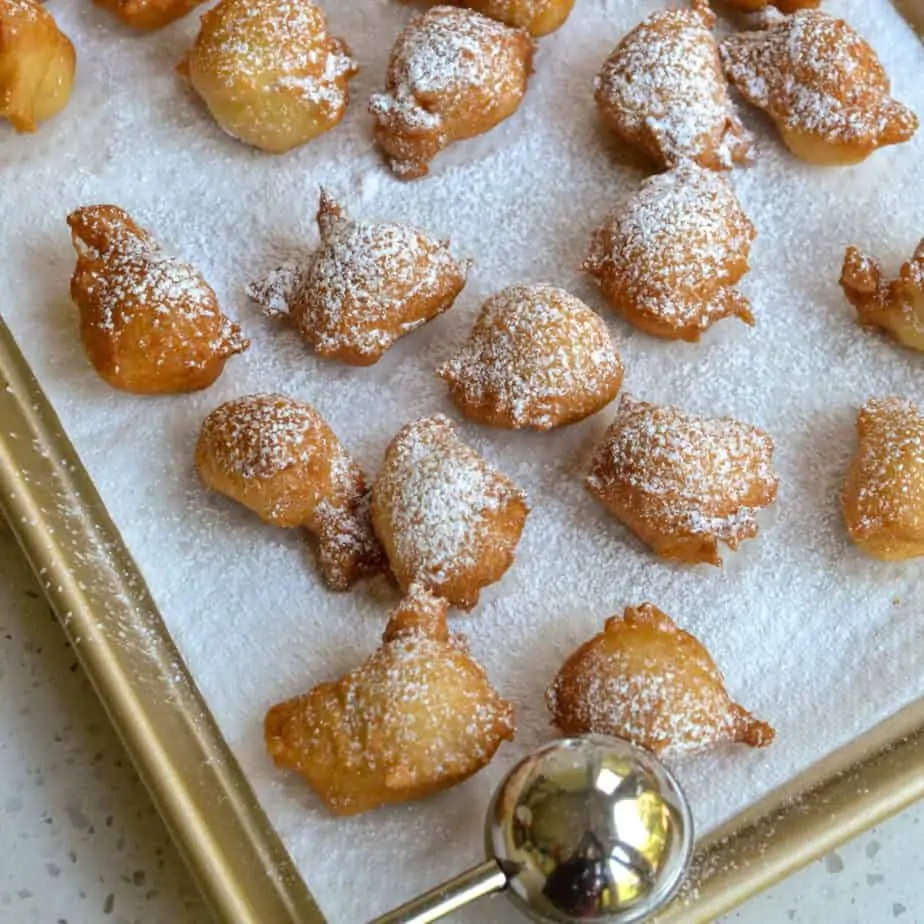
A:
(811, 635)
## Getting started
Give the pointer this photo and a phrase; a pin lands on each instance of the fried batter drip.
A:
(822, 85)
(149, 322)
(883, 499)
(453, 74)
(365, 287)
(279, 458)
(417, 717)
(646, 680)
(683, 483)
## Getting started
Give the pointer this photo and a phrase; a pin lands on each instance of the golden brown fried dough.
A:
(883, 499)
(683, 483)
(668, 258)
(537, 357)
(269, 72)
(148, 14)
(279, 458)
(538, 17)
(644, 679)
(896, 306)
(453, 74)
(662, 91)
(822, 85)
(37, 62)
(417, 717)
(365, 287)
(446, 519)
(149, 322)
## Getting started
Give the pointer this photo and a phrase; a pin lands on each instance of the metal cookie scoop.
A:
(584, 829)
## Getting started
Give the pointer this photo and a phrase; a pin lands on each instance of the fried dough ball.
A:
(269, 72)
(365, 287)
(149, 322)
(453, 74)
(822, 85)
(667, 260)
(279, 458)
(662, 91)
(896, 306)
(417, 717)
(537, 357)
(646, 680)
(883, 499)
(148, 14)
(446, 519)
(37, 62)
(785, 6)
(683, 483)
(538, 17)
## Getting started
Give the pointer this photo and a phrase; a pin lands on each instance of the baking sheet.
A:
(811, 636)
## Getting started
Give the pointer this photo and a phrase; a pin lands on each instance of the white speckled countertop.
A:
(81, 842)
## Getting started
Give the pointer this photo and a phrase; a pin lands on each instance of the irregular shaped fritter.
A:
(417, 717)
(646, 680)
(883, 499)
(453, 74)
(538, 17)
(269, 71)
(37, 62)
(897, 305)
(667, 259)
(683, 483)
(365, 287)
(446, 519)
(149, 322)
(279, 458)
(148, 14)
(662, 91)
(537, 357)
(822, 85)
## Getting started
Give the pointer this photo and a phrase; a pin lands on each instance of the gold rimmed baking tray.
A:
(237, 859)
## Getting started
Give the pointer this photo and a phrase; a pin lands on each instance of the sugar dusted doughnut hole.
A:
(883, 499)
(662, 91)
(365, 287)
(822, 85)
(416, 717)
(453, 74)
(280, 459)
(269, 72)
(37, 62)
(446, 519)
(537, 357)
(683, 483)
(646, 680)
(149, 322)
(896, 306)
(668, 258)
(538, 17)
(148, 14)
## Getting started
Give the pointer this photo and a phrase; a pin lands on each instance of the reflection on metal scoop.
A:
(584, 829)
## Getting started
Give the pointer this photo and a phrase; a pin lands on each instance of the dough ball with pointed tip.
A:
(269, 71)
(368, 285)
(537, 357)
(37, 63)
(149, 322)
(446, 519)
(418, 716)
(453, 74)
(822, 85)
(646, 680)
(681, 482)
(883, 499)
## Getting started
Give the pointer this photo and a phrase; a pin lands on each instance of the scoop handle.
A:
(481, 880)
